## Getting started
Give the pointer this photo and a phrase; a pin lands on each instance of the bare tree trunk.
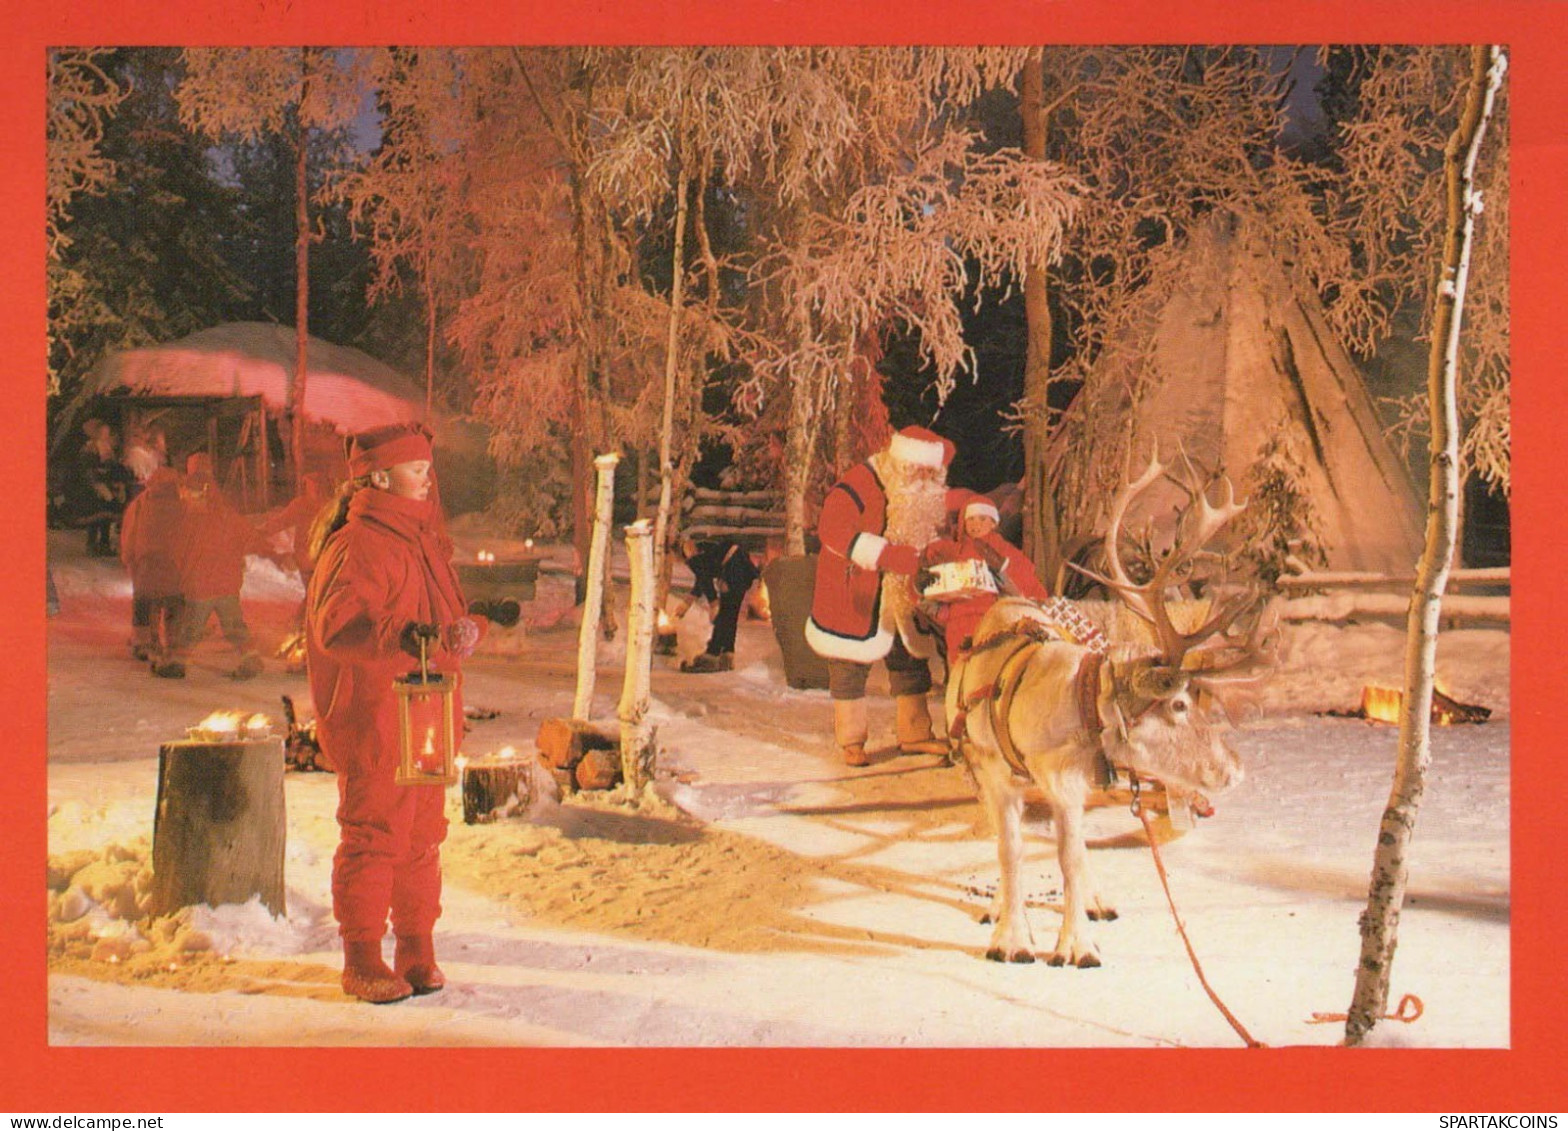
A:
(638, 751)
(430, 342)
(661, 521)
(588, 631)
(296, 402)
(1390, 868)
(799, 444)
(1041, 540)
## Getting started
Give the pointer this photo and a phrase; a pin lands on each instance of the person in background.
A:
(104, 481)
(141, 458)
(722, 573)
(214, 539)
(382, 589)
(298, 517)
(150, 539)
(977, 539)
(874, 523)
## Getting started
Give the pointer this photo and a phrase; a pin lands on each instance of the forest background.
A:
(742, 266)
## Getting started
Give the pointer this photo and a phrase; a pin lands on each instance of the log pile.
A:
(751, 518)
(580, 755)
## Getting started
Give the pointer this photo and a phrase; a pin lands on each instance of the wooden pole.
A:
(588, 633)
(638, 750)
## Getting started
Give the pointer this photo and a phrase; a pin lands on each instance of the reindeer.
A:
(1026, 704)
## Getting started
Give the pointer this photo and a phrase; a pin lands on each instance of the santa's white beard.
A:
(916, 509)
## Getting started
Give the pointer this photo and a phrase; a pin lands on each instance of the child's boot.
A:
(415, 961)
(367, 976)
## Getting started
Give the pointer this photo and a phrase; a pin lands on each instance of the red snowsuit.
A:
(1015, 570)
(212, 551)
(388, 565)
(151, 537)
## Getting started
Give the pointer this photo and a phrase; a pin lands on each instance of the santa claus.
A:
(874, 523)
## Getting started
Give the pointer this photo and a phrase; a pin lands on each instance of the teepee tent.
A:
(1240, 368)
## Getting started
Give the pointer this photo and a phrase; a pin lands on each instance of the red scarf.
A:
(418, 522)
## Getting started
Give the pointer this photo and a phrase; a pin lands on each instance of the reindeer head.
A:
(1162, 704)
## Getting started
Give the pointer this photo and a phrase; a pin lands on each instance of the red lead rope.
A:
(1241, 1030)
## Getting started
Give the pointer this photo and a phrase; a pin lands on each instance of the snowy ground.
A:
(774, 897)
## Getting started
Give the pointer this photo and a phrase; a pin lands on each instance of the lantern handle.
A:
(424, 673)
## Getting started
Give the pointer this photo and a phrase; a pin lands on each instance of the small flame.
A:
(507, 751)
(528, 543)
(258, 726)
(762, 603)
(664, 620)
(1385, 704)
(1382, 704)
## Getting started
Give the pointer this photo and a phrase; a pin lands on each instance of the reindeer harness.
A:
(1021, 642)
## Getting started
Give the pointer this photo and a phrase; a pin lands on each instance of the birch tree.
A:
(248, 91)
(1391, 204)
(406, 199)
(1390, 867)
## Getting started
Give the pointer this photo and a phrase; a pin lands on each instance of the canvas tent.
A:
(224, 389)
(1240, 357)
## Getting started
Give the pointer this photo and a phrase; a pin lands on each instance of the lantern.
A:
(426, 726)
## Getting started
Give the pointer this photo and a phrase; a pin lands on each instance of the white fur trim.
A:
(907, 449)
(832, 647)
(982, 507)
(865, 548)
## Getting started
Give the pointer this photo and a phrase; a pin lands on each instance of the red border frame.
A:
(1528, 1077)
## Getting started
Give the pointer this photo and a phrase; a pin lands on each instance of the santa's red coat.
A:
(388, 565)
(846, 607)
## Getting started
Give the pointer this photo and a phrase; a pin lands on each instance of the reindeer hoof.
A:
(1088, 961)
(1056, 960)
(987, 917)
(1002, 954)
(1103, 915)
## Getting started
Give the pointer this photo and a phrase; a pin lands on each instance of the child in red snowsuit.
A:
(383, 580)
(978, 539)
(214, 541)
(150, 540)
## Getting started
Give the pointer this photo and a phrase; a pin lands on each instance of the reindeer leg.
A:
(1074, 946)
(1011, 940)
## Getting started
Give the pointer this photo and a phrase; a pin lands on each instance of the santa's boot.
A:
(367, 976)
(913, 727)
(849, 730)
(415, 961)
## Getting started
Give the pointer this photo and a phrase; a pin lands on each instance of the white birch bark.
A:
(598, 552)
(1390, 866)
(637, 736)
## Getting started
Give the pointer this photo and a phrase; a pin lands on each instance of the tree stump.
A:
(791, 583)
(219, 825)
(497, 787)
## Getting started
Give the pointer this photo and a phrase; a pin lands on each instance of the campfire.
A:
(761, 605)
(231, 726)
(665, 639)
(1384, 704)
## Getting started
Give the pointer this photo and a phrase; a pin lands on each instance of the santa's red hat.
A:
(381, 448)
(979, 507)
(921, 447)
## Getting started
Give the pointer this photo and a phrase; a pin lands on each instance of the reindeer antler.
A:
(1197, 524)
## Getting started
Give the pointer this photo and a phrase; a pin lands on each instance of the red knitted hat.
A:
(921, 446)
(387, 446)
